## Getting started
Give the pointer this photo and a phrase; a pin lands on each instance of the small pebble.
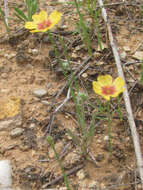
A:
(35, 51)
(32, 126)
(74, 55)
(123, 55)
(39, 93)
(5, 174)
(45, 102)
(126, 48)
(16, 132)
(81, 174)
(84, 75)
(106, 138)
(4, 75)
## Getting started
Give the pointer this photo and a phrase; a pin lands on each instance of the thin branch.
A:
(6, 11)
(131, 121)
(61, 178)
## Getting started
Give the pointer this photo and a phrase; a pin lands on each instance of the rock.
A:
(81, 174)
(9, 56)
(138, 55)
(123, 55)
(126, 48)
(45, 102)
(74, 55)
(5, 174)
(11, 123)
(39, 92)
(63, 1)
(106, 138)
(16, 132)
(4, 75)
(32, 126)
(84, 75)
(5, 90)
(34, 51)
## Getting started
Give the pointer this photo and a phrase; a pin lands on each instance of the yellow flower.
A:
(42, 22)
(106, 87)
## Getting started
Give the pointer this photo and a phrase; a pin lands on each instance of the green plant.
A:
(107, 88)
(84, 31)
(31, 7)
(86, 132)
(51, 143)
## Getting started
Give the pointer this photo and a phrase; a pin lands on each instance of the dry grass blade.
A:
(131, 121)
(6, 11)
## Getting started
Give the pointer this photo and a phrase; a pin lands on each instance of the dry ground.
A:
(22, 71)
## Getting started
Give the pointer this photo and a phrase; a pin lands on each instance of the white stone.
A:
(16, 132)
(81, 174)
(45, 102)
(39, 93)
(126, 48)
(63, 1)
(106, 138)
(32, 126)
(5, 174)
(35, 51)
(123, 55)
(84, 75)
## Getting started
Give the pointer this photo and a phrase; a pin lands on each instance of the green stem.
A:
(50, 141)
(109, 127)
(119, 109)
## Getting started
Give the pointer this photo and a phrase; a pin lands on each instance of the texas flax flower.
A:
(106, 87)
(42, 22)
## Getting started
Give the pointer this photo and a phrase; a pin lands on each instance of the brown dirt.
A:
(25, 72)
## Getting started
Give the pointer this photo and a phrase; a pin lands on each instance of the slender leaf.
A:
(21, 13)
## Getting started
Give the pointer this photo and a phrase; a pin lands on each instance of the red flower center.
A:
(44, 24)
(108, 90)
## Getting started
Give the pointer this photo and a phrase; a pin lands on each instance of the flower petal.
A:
(98, 90)
(106, 97)
(104, 80)
(30, 25)
(96, 87)
(54, 18)
(119, 83)
(37, 18)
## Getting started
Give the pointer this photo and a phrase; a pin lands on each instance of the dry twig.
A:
(131, 121)
(61, 178)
